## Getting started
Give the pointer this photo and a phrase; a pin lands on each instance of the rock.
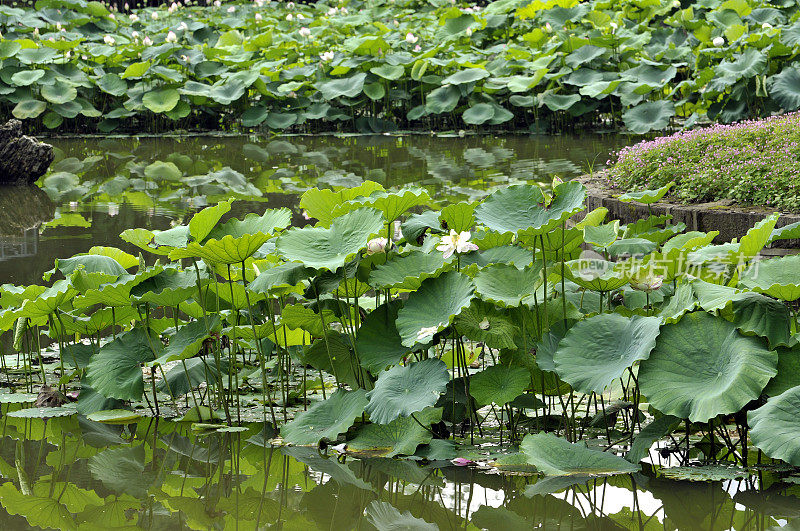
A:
(23, 159)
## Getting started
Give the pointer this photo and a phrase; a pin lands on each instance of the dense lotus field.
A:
(390, 327)
(73, 65)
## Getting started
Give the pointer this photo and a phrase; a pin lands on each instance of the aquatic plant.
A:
(753, 162)
(376, 67)
(534, 321)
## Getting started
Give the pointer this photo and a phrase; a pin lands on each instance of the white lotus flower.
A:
(766, 25)
(377, 245)
(548, 28)
(300, 16)
(326, 56)
(154, 15)
(456, 242)
(289, 17)
(108, 39)
(147, 41)
(134, 17)
(426, 332)
(171, 37)
(647, 282)
(183, 26)
(231, 9)
(258, 17)
(332, 11)
(343, 10)
(304, 32)
(417, 48)
(718, 42)
(411, 38)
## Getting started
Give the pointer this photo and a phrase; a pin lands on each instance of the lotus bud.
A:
(36, 32)
(289, 17)
(58, 26)
(154, 15)
(377, 245)
(111, 16)
(647, 283)
(127, 7)
(134, 17)
(396, 23)
(766, 25)
(548, 28)
(147, 41)
(469, 32)
(417, 48)
(171, 37)
(718, 42)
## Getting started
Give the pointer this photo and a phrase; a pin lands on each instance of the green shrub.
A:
(755, 162)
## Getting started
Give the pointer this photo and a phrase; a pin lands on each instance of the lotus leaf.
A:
(402, 391)
(555, 456)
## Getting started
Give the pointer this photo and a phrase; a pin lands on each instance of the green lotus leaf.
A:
(161, 100)
(432, 307)
(749, 63)
(784, 88)
(762, 316)
(520, 208)
(583, 55)
(468, 75)
(631, 247)
(507, 285)
(116, 370)
(498, 384)
(39, 511)
(774, 427)
(326, 419)
(112, 84)
(391, 204)
(555, 456)
(190, 373)
(116, 293)
(44, 412)
(598, 350)
(382, 515)
(402, 436)
(596, 274)
(485, 323)
(48, 300)
(91, 264)
(227, 92)
(24, 78)
(187, 341)
(236, 240)
(787, 232)
(330, 248)
(402, 391)
(282, 279)
(601, 236)
(346, 86)
(788, 371)
(681, 302)
(775, 277)
(206, 220)
(407, 271)
(442, 99)
(647, 196)
(649, 435)
(387, 71)
(375, 91)
(755, 240)
(559, 102)
(478, 114)
(170, 288)
(114, 416)
(702, 367)
(378, 343)
(59, 92)
(320, 203)
(459, 217)
(649, 116)
(26, 109)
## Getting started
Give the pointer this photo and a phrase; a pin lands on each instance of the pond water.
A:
(68, 472)
(99, 187)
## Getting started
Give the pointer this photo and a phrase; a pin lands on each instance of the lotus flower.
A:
(108, 39)
(377, 245)
(411, 38)
(258, 17)
(171, 37)
(327, 56)
(456, 242)
(647, 283)
(304, 32)
(718, 41)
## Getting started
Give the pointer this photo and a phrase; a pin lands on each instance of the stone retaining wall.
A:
(731, 220)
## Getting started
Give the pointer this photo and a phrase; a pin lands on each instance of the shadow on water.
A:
(69, 472)
(101, 187)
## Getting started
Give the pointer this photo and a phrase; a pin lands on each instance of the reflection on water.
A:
(100, 187)
(69, 472)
